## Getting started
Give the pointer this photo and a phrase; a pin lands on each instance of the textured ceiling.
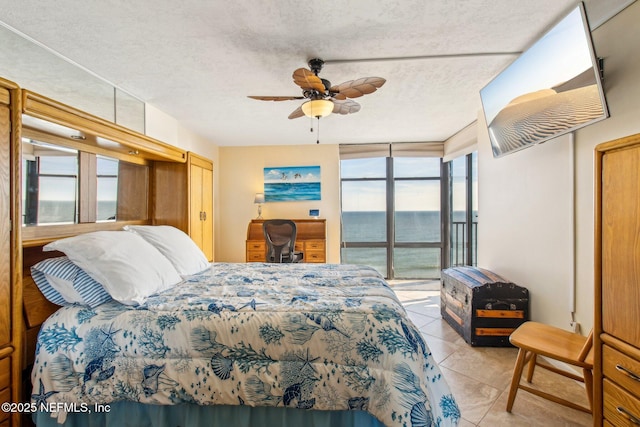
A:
(198, 60)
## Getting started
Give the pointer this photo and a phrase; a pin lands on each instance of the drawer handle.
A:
(628, 372)
(635, 420)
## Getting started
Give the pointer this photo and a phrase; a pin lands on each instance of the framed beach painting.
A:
(291, 183)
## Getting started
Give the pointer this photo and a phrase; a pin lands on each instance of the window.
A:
(62, 185)
(464, 210)
(364, 223)
(50, 184)
(107, 188)
(391, 215)
(416, 217)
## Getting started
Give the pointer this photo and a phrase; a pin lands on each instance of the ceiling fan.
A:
(322, 98)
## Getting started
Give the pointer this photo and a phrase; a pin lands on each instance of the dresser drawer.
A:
(254, 256)
(621, 369)
(314, 245)
(255, 245)
(620, 407)
(314, 256)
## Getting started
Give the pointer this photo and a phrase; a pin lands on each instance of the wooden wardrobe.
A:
(617, 283)
(10, 254)
(183, 198)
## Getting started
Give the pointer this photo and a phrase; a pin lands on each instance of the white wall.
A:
(165, 128)
(527, 199)
(525, 230)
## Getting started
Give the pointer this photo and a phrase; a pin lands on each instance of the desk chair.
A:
(280, 235)
(535, 339)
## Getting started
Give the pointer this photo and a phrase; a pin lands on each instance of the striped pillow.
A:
(62, 282)
(45, 287)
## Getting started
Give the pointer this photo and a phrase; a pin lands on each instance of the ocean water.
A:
(413, 226)
(410, 227)
(64, 212)
(291, 191)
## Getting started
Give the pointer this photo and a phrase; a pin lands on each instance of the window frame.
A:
(390, 244)
(88, 150)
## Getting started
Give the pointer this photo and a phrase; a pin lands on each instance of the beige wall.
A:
(536, 206)
(241, 176)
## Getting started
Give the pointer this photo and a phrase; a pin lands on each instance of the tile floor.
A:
(479, 377)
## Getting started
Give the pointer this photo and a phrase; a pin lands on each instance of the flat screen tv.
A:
(553, 88)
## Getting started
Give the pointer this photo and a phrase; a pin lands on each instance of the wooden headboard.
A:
(36, 307)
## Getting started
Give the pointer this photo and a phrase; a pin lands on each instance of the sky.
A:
(64, 188)
(416, 195)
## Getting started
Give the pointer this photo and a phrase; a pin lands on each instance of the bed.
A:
(242, 344)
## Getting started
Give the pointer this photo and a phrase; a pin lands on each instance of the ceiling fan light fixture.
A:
(317, 108)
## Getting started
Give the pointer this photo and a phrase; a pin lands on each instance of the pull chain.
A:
(318, 129)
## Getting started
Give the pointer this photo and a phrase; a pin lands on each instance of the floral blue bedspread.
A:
(322, 337)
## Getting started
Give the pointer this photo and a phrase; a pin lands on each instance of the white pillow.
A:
(184, 254)
(65, 288)
(129, 268)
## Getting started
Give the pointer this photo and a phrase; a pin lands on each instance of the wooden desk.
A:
(311, 239)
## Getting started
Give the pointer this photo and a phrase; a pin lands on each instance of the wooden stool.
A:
(535, 339)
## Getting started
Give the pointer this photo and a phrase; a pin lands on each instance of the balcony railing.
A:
(461, 244)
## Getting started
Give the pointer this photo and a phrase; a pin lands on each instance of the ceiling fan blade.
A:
(345, 107)
(296, 113)
(275, 98)
(306, 79)
(356, 88)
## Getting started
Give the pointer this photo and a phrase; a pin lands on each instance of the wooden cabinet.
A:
(10, 292)
(183, 198)
(201, 203)
(617, 283)
(311, 240)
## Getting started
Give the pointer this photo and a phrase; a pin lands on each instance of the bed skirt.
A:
(132, 414)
